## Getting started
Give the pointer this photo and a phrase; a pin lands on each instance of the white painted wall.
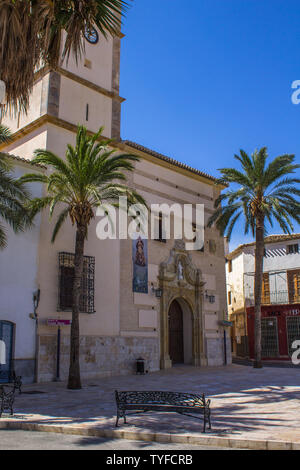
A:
(72, 106)
(18, 276)
(100, 55)
(234, 283)
(276, 262)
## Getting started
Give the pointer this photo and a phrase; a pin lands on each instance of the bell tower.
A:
(86, 92)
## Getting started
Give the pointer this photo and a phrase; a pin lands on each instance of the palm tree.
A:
(5, 134)
(31, 31)
(13, 196)
(262, 194)
(80, 184)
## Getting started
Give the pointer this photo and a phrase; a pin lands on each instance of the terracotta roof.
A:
(269, 239)
(168, 159)
(21, 159)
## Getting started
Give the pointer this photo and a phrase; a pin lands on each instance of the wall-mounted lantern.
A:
(156, 292)
(211, 298)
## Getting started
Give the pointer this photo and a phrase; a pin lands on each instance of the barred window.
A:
(66, 279)
(291, 249)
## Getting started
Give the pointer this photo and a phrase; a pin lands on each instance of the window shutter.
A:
(266, 289)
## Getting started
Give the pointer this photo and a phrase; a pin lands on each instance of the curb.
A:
(251, 444)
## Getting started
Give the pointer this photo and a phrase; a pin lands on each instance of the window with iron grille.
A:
(66, 279)
(269, 337)
(293, 332)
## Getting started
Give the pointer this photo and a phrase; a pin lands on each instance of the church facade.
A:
(176, 317)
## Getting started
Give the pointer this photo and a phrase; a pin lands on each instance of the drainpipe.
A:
(225, 324)
(225, 350)
(34, 316)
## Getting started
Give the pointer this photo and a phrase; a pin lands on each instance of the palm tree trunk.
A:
(259, 260)
(74, 381)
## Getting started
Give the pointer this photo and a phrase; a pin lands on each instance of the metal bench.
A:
(7, 391)
(182, 403)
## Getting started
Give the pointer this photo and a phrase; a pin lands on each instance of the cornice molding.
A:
(122, 145)
(82, 81)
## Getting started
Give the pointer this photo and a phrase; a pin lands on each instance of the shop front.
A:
(280, 327)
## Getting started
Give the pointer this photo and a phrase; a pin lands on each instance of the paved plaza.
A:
(252, 404)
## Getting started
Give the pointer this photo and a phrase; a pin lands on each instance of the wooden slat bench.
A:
(187, 404)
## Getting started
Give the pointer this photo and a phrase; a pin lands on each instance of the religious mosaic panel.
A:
(140, 265)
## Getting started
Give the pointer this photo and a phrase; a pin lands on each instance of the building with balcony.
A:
(280, 297)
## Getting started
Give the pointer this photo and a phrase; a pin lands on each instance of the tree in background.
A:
(262, 193)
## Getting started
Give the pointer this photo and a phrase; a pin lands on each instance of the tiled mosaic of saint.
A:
(140, 265)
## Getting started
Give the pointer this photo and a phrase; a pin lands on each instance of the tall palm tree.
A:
(31, 31)
(84, 181)
(262, 193)
(13, 196)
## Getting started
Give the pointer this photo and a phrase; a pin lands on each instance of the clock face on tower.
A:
(91, 35)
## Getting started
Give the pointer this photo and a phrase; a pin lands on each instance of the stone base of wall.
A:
(99, 356)
(25, 368)
(215, 351)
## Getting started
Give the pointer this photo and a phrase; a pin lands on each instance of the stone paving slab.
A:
(249, 406)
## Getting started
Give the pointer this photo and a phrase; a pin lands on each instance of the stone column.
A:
(200, 358)
(165, 361)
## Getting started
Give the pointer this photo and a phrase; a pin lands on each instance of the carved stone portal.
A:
(179, 279)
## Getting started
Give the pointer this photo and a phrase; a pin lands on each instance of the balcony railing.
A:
(279, 297)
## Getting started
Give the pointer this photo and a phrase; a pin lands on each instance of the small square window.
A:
(87, 63)
(293, 248)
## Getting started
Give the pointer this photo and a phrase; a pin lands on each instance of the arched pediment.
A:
(179, 269)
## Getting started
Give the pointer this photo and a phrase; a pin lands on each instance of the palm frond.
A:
(60, 220)
(31, 33)
(5, 134)
(13, 202)
(267, 191)
(3, 237)
(88, 178)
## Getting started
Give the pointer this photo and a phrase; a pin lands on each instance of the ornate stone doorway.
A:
(182, 289)
(176, 350)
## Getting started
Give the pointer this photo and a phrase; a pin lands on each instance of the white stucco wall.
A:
(100, 56)
(277, 262)
(18, 279)
(234, 283)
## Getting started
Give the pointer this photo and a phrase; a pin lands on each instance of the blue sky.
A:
(204, 78)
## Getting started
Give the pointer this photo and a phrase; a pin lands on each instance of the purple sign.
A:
(58, 322)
